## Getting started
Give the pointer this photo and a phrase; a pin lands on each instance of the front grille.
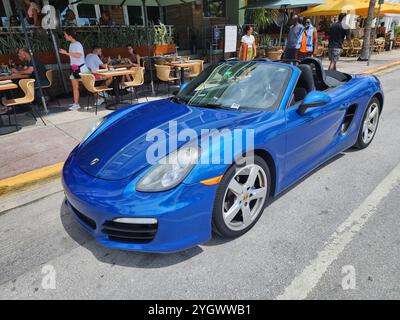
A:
(130, 232)
(85, 219)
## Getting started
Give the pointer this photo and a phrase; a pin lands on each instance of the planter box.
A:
(160, 49)
(49, 57)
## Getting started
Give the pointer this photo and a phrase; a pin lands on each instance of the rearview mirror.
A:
(314, 99)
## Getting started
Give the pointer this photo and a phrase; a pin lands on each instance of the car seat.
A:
(305, 83)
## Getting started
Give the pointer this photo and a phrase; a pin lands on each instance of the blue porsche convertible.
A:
(297, 117)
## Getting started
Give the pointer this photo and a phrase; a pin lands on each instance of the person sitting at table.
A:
(33, 13)
(13, 21)
(134, 61)
(94, 63)
(70, 19)
(105, 19)
(28, 63)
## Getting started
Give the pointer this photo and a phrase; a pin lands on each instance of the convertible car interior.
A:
(314, 77)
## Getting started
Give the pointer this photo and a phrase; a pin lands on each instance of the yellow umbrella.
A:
(387, 8)
(357, 7)
(334, 7)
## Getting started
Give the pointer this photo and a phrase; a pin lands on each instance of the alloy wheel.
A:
(244, 197)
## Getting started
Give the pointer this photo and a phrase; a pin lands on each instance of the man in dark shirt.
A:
(27, 66)
(337, 33)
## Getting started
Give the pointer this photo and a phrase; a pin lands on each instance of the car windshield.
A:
(238, 85)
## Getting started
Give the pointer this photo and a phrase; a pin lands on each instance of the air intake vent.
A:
(86, 220)
(130, 232)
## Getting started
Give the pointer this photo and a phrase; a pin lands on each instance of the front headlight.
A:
(92, 129)
(170, 171)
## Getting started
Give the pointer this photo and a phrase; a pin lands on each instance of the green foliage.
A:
(397, 30)
(261, 18)
(115, 37)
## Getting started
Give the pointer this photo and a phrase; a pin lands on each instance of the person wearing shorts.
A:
(77, 61)
(94, 63)
(337, 33)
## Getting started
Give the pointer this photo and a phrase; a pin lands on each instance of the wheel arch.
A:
(379, 96)
(267, 157)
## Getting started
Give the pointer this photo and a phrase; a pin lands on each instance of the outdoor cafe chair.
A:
(164, 75)
(196, 69)
(346, 48)
(28, 87)
(396, 41)
(88, 81)
(137, 82)
(357, 46)
(50, 79)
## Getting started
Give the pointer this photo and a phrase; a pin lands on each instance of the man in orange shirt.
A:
(307, 43)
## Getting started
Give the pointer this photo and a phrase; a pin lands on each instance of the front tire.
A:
(241, 198)
(369, 124)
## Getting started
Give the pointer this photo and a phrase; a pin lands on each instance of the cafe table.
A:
(116, 75)
(4, 77)
(181, 66)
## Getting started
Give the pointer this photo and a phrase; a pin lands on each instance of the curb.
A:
(382, 68)
(30, 178)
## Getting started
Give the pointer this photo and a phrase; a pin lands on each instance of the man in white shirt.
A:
(94, 63)
(77, 61)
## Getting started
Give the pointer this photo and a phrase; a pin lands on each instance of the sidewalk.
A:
(36, 146)
(352, 66)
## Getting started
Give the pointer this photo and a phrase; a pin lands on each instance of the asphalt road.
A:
(334, 235)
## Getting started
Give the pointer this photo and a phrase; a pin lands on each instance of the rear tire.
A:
(241, 198)
(369, 124)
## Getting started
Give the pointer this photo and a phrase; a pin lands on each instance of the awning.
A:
(357, 7)
(277, 4)
(134, 2)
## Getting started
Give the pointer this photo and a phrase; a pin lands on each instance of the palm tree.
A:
(367, 32)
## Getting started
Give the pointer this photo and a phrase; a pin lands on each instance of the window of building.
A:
(214, 8)
(153, 14)
(3, 15)
(87, 14)
(135, 15)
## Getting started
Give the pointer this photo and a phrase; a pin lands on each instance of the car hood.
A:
(119, 151)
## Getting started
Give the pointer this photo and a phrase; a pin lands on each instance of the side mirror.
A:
(313, 100)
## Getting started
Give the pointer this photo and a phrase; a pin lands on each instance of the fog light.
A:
(136, 220)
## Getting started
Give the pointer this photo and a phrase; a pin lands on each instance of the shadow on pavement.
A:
(119, 257)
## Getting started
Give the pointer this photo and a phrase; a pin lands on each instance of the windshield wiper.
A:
(178, 100)
(215, 106)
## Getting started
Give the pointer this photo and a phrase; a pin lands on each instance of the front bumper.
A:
(183, 214)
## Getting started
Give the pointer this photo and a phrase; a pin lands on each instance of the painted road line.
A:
(382, 68)
(23, 180)
(306, 281)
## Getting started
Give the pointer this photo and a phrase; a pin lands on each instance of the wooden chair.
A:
(346, 48)
(357, 46)
(28, 87)
(138, 81)
(50, 78)
(196, 69)
(88, 81)
(164, 75)
(396, 43)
